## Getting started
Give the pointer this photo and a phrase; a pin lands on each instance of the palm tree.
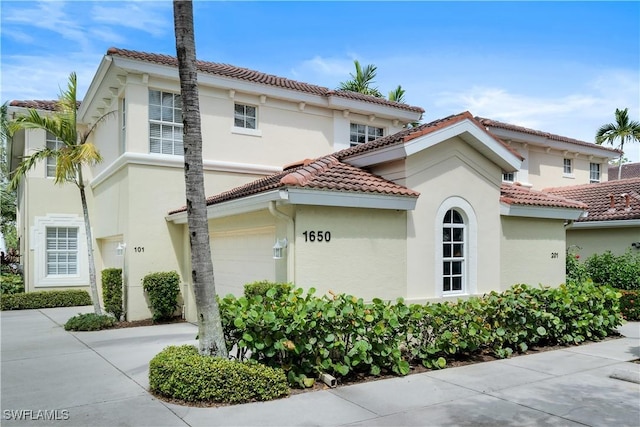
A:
(362, 80)
(397, 95)
(74, 153)
(210, 333)
(8, 197)
(624, 129)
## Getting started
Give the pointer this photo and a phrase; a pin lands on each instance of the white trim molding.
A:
(540, 212)
(618, 223)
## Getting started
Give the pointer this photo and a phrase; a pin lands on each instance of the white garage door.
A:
(242, 256)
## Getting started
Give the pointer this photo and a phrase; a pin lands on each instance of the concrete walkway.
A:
(100, 379)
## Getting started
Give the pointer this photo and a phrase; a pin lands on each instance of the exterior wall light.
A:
(278, 248)
(120, 249)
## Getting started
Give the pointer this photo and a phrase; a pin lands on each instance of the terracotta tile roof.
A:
(246, 74)
(606, 201)
(629, 170)
(514, 194)
(325, 173)
(507, 126)
(45, 105)
(416, 132)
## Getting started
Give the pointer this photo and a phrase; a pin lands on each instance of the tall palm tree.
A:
(362, 80)
(7, 197)
(624, 129)
(210, 333)
(74, 153)
(397, 95)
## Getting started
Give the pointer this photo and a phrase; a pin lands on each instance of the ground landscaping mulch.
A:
(146, 322)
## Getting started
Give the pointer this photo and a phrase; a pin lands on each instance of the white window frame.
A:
(244, 117)
(507, 175)
(174, 142)
(567, 167)
(470, 266)
(597, 170)
(453, 257)
(52, 142)
(364, 131)
(61, 245)
(39, 248)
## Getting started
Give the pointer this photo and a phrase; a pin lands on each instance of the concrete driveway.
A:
(53, 377)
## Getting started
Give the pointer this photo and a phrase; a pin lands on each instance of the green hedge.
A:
(89, 322)
(162, 289)
(112, 291)
(179, 372)
(630, 305)
(11, 283)
(261, 288)
(45, 299)
(618, 271)
(343, 336)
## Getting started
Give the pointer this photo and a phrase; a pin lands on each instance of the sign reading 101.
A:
(317, 236)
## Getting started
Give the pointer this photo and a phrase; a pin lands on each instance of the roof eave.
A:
(613, 223)
(546, 212)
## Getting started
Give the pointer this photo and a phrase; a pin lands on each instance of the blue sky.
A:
(560, 67)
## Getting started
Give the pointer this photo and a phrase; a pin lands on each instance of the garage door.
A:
(242, 256)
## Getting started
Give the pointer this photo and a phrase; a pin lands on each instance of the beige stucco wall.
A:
(365, 256)
(532, 252)
(599, 240)
(452, 172)
(546, 169)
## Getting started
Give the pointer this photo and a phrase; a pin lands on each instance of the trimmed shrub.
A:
(89, 322)
(179, 372)
(112, 291)
(11, 283)
(630, 305)
(261, 288)
(45, 299)
(162, 289)
(576, 271)
(621, 271)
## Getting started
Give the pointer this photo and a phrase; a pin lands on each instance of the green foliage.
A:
(11, 283)
(344, 336)
(261, 288)
(630, 305)
(575, 269)
(180, 372)
(89, 322)
(162, 289)
(112, 291)
(46, 299)
(621, 272)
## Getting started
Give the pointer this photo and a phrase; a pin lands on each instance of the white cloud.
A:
(149, 17)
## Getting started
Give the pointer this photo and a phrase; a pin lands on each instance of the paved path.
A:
(100, 379)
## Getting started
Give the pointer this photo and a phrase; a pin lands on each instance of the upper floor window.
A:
(568, 167)
(62, 251)
(508, 176)
(165, 123)
(363, 133)
(594, 172)
(53, 143)
(245, 116)
(453, 252)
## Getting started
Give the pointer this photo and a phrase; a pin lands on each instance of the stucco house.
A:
(352, 199)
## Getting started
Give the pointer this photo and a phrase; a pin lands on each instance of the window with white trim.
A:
(53, 143)
(594, 172)
(453, 252)
(359, 134)
(508, 176)
(568, 167)
(62, 251)
(245, 116)
(165, 123)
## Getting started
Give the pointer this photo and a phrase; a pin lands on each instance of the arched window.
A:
(453, 252)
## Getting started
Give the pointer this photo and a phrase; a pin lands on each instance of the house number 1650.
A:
(317, 236)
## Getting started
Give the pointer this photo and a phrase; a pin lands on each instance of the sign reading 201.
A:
(317, 236)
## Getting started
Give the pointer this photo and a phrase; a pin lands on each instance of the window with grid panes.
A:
(594, 172)
(62, 251)
(453, 252)
(359, 134)
(508, 176)
(568, 167)
(53, 143)
(165, 123)
(245, 116)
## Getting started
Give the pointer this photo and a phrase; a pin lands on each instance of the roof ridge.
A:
(310, 170)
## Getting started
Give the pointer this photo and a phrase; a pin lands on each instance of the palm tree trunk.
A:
(620, 159)
(210, 332)
(95, 298)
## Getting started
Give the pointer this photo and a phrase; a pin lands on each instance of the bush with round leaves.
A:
(180, 372)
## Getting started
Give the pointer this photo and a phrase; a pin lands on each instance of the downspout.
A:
(290, 239)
